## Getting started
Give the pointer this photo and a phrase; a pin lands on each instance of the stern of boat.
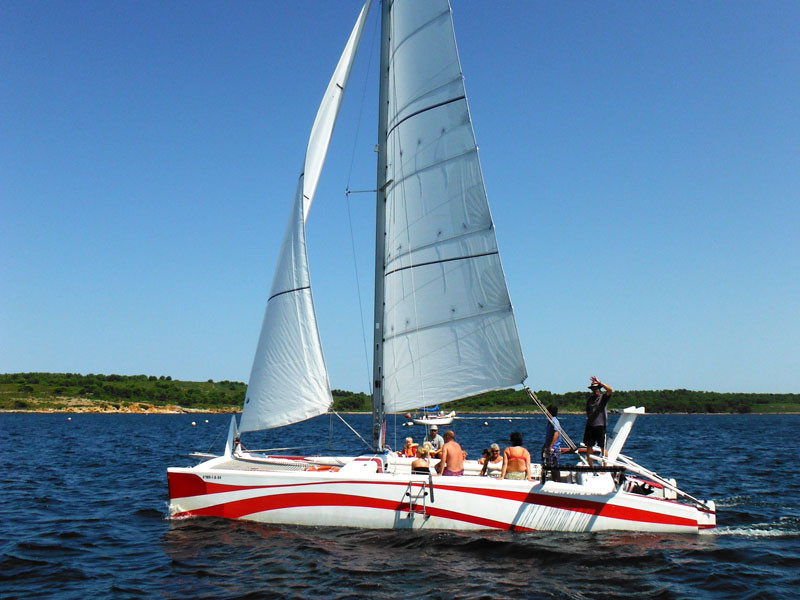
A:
(707, 518)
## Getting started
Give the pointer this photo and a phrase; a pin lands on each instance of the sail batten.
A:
(439, 262)
(422, 110)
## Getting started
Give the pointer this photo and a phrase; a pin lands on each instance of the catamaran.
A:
(444, 330)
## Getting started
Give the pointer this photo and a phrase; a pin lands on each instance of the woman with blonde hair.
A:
(421, 465)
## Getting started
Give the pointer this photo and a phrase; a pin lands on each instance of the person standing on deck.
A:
(596, 416)
(452, 461)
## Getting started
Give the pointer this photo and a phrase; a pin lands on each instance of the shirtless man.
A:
(452, 461)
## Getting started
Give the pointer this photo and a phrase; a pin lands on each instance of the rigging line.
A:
(358, 435)
(282, 449)
(349, 215)
(214, 441)
(363, 100)
(358, 293)
(547, 414)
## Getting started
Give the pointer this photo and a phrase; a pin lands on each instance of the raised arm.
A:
(603, 385)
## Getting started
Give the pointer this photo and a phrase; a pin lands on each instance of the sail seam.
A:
(397, 182)
(305, 287)
(422, 110)
(503, 309)
(420, 98)
(436, 262)
(412, 34)
(462, 235)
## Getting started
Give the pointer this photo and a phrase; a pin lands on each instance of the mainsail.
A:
(448, 329)
(289, 382)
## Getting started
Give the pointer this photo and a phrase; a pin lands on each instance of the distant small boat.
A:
(440, 418)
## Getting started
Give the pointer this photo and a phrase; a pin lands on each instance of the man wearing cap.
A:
(596, 417)
(436, 441)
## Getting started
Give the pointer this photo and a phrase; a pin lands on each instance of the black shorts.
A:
(594, 435)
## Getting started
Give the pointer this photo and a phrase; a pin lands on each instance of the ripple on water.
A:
(81, 524)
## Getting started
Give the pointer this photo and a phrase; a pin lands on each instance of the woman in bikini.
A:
(516, 460)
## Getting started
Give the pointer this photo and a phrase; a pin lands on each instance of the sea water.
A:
(83, 514)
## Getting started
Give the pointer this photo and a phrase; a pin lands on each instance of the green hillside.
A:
(68, 391)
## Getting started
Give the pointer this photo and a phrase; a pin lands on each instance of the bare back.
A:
(452, 457)
(517, 459)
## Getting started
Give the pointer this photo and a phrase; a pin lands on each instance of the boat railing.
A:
(558, 473)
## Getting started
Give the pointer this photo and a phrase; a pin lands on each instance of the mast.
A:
(380, 233)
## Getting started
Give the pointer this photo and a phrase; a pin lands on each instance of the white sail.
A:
(449, 329)
(289, 382)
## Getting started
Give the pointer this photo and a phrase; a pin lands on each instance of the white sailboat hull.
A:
(355, 497)
(435, 419)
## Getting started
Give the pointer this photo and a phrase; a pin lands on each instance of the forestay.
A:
(449, 329)
(289, 382)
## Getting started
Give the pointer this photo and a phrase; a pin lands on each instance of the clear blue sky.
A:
(642, 163)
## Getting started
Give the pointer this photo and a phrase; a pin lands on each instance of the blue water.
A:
(84, 503)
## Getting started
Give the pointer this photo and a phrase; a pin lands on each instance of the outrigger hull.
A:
(354, 497)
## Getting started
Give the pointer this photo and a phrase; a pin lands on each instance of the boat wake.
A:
(784, 527)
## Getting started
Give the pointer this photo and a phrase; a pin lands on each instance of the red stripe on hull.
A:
(591, 507)
(186, 484)
(243, 508)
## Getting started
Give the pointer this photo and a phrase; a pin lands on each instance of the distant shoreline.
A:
(180, 410)
(70, 392)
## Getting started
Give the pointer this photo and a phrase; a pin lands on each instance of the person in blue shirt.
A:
(551, 450)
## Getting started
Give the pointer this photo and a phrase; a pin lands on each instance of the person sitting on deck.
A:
(436, 441)
(421, 465)
(493, 461)
(452, 461)
(409, 449)
(516, 460)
